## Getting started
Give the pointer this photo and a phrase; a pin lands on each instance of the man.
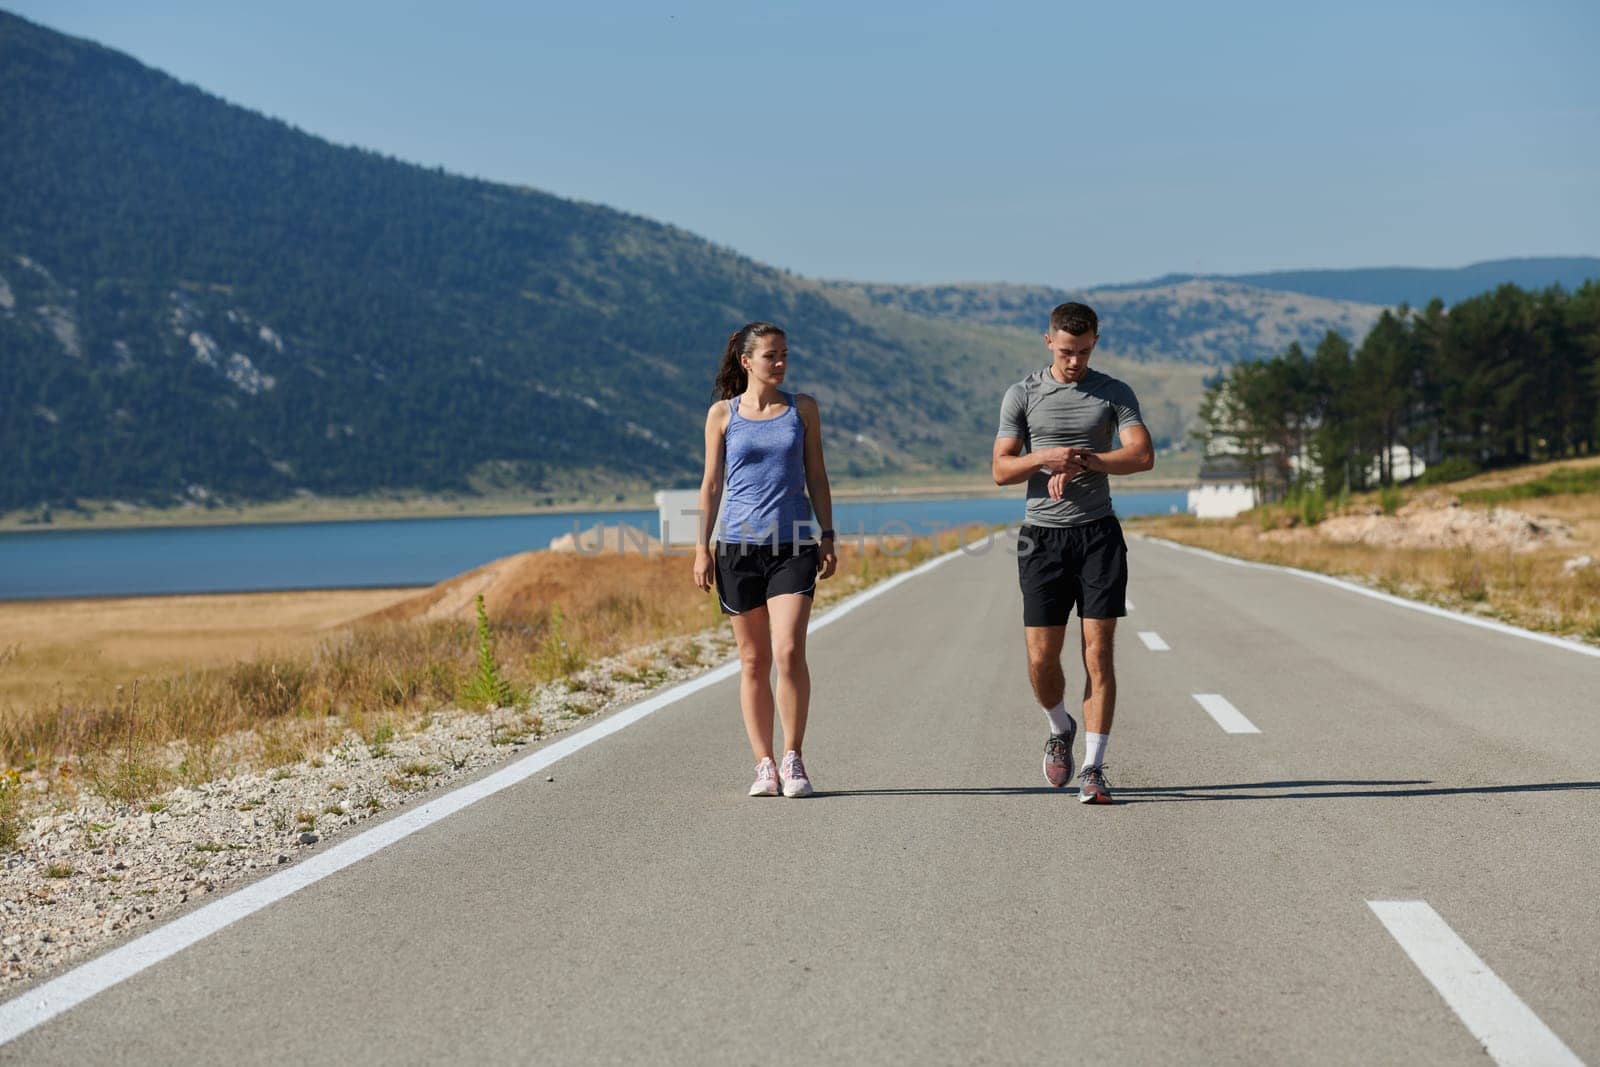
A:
(1057, 427)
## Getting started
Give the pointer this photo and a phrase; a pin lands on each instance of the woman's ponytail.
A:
(732, 378)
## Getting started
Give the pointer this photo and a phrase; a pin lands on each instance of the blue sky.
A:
(1029, 142)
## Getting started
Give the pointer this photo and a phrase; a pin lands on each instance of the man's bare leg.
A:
(1049, 688)
(1044, 663)
(1099, 706)
(1099, 675)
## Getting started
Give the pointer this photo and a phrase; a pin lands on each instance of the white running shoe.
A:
(795, 781)
(766, 783)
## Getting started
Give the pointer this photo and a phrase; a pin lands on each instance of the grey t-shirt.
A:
(1042, 413)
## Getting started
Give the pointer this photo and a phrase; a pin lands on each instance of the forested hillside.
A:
(1502, 378)
(197, 301)
(201, 303)
(1199, 321)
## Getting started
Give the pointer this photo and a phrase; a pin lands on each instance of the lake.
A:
(392, 552)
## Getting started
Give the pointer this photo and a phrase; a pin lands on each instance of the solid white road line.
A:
(1508, 1029)
(1228, 717)
(1387, 598)
(44, 1002)
(1153, 642)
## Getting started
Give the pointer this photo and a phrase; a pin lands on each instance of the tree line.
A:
(1510, 376)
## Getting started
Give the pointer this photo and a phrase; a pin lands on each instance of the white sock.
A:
(1060, 721)
(1094, 749)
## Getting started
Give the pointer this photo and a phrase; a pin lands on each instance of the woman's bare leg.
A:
(753, 633)
(790, 614)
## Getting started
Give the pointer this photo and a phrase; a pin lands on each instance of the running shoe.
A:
(1093, 787)
(795, 782)
(766, 783)
(1058, 756)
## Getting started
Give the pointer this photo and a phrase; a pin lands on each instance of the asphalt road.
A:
(937, 902)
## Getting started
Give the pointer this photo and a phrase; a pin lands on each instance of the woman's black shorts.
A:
(1066, 567)
(748, 574)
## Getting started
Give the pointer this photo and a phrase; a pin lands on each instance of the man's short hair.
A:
(1076, 319)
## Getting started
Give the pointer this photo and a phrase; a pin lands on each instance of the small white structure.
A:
(1224, 491)
(1404, 465)
(679, 511)
(1221, 501)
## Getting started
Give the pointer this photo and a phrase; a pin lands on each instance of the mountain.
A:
(200, 302)
(1415, 286)
(1194, 320)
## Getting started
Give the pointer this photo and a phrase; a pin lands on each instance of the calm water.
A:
(215, 559)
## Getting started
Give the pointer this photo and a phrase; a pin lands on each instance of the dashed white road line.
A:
(44, 1002)
(1153, 642)
(1228, 717)
(1508, 1029)
(1128, 604)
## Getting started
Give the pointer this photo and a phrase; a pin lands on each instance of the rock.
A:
(309, 838)
(1576, 564)
(619, 538)
(282, 858)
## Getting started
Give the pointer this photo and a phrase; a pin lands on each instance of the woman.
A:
(764, 446)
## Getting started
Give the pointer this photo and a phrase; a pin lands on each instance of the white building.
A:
(679, 511)
(1226, 489)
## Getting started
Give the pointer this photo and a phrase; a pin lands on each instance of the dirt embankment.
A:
(1520, 545)
(1426, 524)
(526, 584)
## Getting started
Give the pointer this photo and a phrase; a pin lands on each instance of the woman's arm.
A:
(710, 494)
(817, 480)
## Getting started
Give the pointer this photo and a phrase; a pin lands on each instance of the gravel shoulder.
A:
(97, 872)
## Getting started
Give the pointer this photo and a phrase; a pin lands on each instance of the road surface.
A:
(937, 902)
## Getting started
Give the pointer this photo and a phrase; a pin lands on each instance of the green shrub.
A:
(1560, 481)
(558, 655)
(1451, 470)
(1389, 499)
(1313, 506)
(487, 687)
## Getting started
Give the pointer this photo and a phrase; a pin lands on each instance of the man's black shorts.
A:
(1066, 567)
(748, 574)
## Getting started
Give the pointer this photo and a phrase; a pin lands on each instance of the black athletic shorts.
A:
(1083, 567)
(748, 574)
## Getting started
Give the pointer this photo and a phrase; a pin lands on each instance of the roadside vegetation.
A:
(1548, 579)
(372, 681)
(1500, 379)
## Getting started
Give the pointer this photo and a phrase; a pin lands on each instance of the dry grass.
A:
(130, 737)
(85, 646)
(1529, 589)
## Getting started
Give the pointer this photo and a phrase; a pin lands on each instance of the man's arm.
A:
(1136, 454)
(1009, 466)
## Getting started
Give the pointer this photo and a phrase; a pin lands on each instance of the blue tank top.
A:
(764, 496)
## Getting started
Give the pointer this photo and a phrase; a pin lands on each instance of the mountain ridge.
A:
(1414, 286)
(199, 302)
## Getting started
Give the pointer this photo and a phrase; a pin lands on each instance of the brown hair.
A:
(732, 379)
(1076, 319)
